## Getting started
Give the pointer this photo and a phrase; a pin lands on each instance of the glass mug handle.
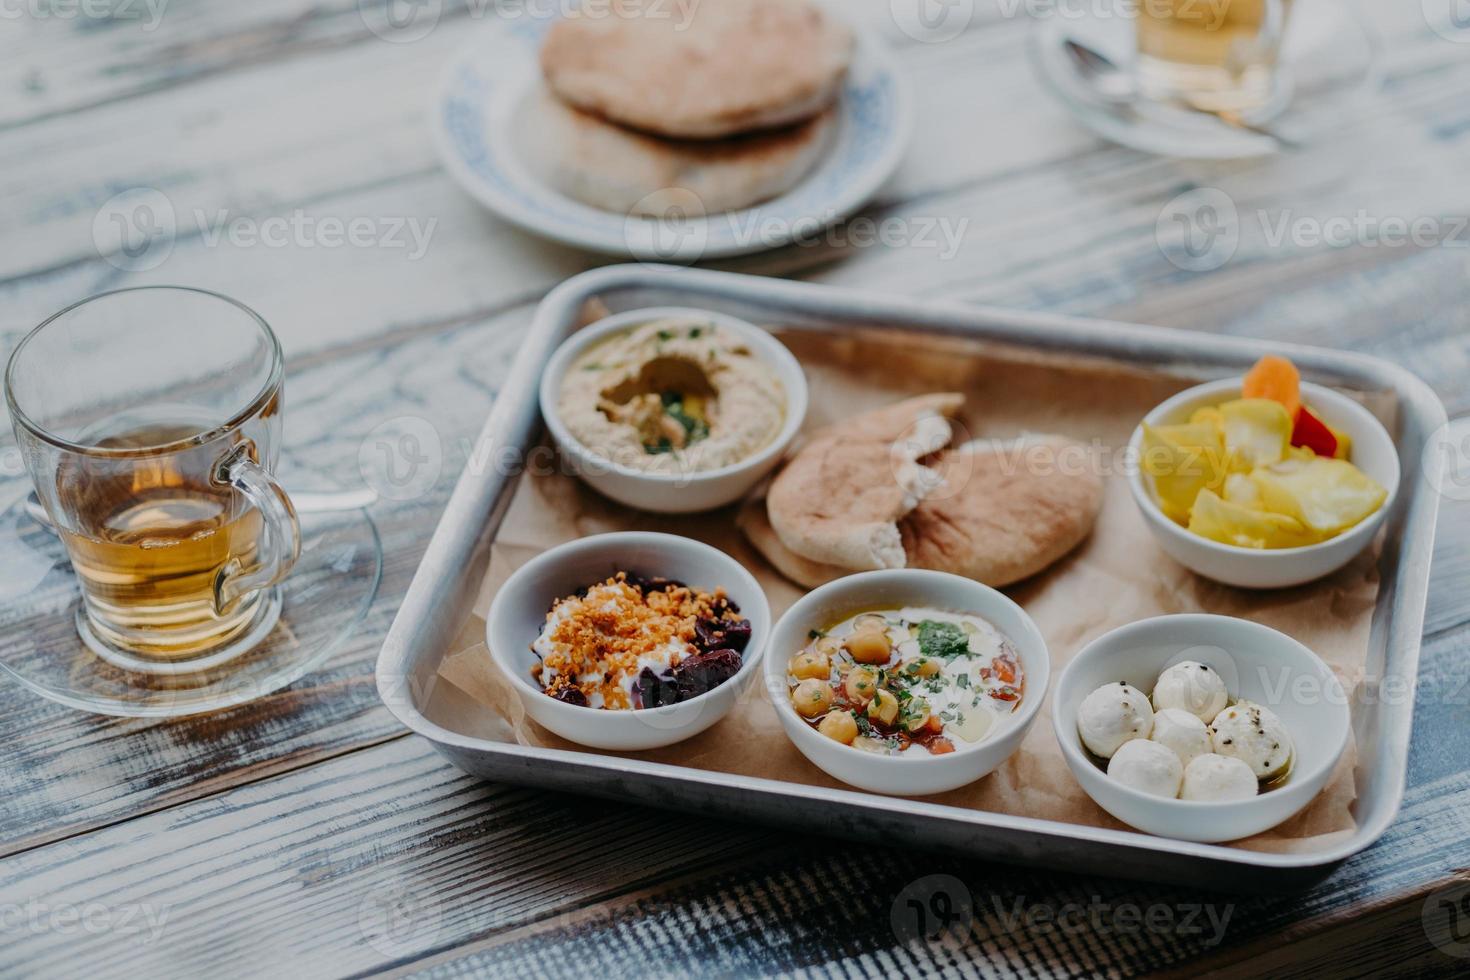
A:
(280, 541)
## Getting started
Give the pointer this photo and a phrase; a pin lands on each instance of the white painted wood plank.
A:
(62, 58)
(57, 58)
(301, 875)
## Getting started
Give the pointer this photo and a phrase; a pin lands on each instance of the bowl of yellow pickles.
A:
(1264, 481)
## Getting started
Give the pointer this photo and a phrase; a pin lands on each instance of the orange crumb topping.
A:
(609, 628)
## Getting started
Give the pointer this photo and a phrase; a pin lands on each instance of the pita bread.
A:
(627, 172)
(1016, 507)
(756, 526)
(994, 511)
(698, 69)
(839, 501)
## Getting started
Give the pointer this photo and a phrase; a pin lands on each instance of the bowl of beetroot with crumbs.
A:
(629, 641)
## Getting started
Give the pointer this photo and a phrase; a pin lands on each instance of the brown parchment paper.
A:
(1116, 577)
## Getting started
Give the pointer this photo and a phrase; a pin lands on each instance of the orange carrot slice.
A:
(1275, 378)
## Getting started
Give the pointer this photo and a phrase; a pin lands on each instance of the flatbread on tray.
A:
(881, 490)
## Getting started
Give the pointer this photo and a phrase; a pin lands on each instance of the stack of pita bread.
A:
(707, 106)
(886, 489)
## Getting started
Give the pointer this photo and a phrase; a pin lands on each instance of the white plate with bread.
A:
(566, 127)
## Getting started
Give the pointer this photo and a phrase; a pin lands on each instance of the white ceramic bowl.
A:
(519, 611)
(1258, 664)
(1373, 452)
(674, 493)
(906, 775)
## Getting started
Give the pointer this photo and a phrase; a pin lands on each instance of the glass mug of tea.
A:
(1216, 55)
(150, 422)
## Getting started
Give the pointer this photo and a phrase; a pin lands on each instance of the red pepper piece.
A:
(1313, 433)
(1005, 668)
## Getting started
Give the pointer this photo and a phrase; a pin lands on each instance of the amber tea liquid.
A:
(1219, 55)
(148, 542)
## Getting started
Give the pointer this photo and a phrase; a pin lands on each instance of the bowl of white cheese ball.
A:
(1201, 728)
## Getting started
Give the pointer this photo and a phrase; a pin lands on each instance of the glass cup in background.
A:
(150, 422)
(1216, 55)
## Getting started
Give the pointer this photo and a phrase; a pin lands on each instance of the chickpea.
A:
(883, 707)
(860, 685)
(915, 714)
(812, 697)
(810, 664)
(839, 726)
(869, 647)
(828, 646)
(919, 667)
(871, 623)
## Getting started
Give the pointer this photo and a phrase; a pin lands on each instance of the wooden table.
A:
(308, 833)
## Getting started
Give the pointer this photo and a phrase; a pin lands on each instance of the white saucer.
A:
(485, 84)
(1329, 63)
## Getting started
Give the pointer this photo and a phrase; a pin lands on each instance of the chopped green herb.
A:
(815, 634)
(937, 639)
(665, 335)
(694, 332)
(962, 681)
(694, 428)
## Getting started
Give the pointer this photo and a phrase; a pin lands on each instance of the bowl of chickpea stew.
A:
(906, 682)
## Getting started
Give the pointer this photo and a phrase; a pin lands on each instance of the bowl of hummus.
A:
(673, 410)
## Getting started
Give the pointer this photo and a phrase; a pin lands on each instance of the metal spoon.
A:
(1114, 84)
(305, 501)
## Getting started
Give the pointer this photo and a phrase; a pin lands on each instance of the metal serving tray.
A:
(440, 598)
